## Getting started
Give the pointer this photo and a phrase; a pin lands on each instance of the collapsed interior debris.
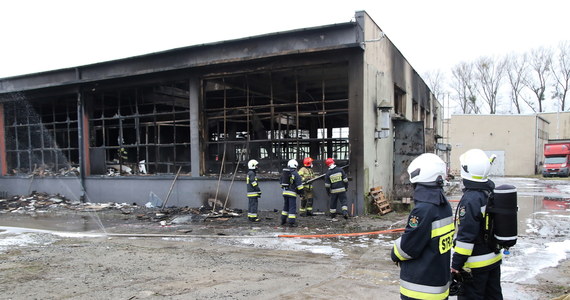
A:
(275, 116)
(272, 116)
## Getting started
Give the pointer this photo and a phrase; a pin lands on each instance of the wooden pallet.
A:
(380, 200)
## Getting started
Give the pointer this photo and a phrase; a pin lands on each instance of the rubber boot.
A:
(283, 219)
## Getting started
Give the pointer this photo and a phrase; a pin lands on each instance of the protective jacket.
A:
(424, 250)
(336, 180)
(307, 174)
(291, 183)
(253, 189)
(471, 248)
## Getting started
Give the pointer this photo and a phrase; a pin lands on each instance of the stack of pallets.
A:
(380, 200)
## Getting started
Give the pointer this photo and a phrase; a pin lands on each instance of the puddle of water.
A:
(48, 221)
(11, 239)
(19, 237)
(316, 246)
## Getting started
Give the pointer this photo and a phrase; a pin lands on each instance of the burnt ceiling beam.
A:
(309, 40)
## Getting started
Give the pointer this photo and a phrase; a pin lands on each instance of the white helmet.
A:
(292, 164)
(475, 165)
(427, 168)
(252, 164)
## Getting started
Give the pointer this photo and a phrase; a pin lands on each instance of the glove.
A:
(329, 192)
(394, 258)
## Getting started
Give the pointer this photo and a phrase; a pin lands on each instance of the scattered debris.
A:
(46, 171)
(40, 202)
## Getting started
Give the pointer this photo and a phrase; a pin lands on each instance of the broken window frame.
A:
(306, 127)
(42, 136)
(150, 122)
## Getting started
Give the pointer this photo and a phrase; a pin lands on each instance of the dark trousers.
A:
(252, 207)
(335, 199)
(306, 204)
(289, 212)
(485, 285)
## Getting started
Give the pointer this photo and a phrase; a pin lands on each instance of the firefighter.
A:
(292, 185)
(253, 191)
(471, 251)
(336, 184)
(307, 174)
(122, 155)
(423, 252)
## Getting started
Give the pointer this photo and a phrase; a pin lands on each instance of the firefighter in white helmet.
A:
(292, 185)
(471, 251)
(253, 190)
(424, 250)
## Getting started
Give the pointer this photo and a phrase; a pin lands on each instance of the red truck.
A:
(556, 159)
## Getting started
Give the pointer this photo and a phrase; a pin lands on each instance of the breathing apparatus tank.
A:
(503, 213)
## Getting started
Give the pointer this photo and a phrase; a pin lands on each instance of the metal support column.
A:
(195, 126)
(81, 144)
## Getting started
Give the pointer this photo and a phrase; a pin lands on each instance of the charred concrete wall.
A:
(389, 79)
(187, 191)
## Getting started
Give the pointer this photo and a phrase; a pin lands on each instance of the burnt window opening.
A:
(275, 116)
(415, 111)
(42, 136)
(399, 101)
(141, 130)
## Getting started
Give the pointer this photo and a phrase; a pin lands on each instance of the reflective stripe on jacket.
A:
(253, 189)
(424, 249)
(306, 174)
(471, 249)
(291, 183)
(336, 180)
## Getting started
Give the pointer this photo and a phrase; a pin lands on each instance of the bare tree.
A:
(561, 74)
(436, 80)
(516, 71)
(465, 86)
(489, 74)
(540, 66)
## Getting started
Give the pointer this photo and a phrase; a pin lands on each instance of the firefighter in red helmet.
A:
(336, 184)
(307, 174)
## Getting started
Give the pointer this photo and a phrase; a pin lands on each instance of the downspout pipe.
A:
(80, 137)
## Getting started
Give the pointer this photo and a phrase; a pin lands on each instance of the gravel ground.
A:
(175, 261)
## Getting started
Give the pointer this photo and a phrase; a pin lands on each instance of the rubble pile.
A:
(33, 202)
(44, 171)
(44, 202)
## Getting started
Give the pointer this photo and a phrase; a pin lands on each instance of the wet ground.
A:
(345, 267)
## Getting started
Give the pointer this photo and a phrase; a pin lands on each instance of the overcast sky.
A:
(41, 35)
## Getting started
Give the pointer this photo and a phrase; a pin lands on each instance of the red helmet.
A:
(329, 162)
(307, 162)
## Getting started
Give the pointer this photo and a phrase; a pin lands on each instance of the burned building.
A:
(121, 130)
